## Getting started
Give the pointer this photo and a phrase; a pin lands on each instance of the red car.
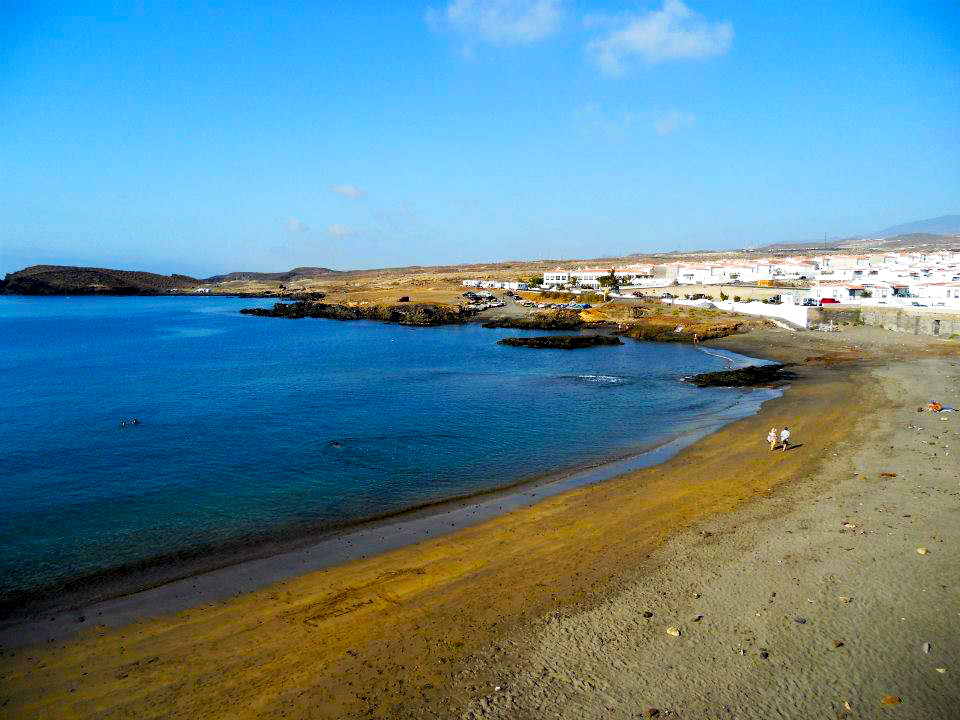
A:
(829, 301)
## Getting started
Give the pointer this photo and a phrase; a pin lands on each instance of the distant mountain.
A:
(300, 273)
(69, 280)
(943, 225)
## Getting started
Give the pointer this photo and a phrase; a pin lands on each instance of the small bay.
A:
(251, 428)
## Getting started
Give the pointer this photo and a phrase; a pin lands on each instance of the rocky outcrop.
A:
(673, 331)
(559, 320)
(751, 376)
(421, 314)
(562, 342)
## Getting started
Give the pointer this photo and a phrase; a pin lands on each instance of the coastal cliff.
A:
(420, 314)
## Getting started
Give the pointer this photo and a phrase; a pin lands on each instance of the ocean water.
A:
(255, 427)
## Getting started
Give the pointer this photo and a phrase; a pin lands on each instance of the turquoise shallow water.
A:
(254, 427)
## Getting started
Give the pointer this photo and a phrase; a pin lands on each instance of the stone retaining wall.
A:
(916, 321)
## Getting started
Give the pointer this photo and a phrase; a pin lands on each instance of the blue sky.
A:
(203, 138)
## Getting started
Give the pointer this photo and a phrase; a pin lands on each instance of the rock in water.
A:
(752, 376)
(559, 320)
(562, 342)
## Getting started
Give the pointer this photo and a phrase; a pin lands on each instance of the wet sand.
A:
(430, 630)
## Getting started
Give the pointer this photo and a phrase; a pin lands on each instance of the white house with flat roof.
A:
(556, 277)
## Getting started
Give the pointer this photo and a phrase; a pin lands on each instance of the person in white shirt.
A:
(785, 438)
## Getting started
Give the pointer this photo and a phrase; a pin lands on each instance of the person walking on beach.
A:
(772, 438)
(785, 438)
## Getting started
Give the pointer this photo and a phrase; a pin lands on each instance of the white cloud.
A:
(670, 121)
(348, 191)
(295, 225)
(501, 22)
(340, 231)
(672, 32)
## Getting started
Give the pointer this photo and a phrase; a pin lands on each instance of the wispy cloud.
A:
(674, 32)
(500, 22)
(609, 126)
(669, 121)
(340, 231)
(296, 225)
(399, 219)
(348, 191)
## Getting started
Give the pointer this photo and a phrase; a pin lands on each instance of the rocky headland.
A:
(68, 280)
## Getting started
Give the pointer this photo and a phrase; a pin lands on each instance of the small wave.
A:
(602, 379)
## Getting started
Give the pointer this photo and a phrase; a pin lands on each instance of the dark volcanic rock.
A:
(751, 376)
(422, 314)
(562, 342)
(559, 320)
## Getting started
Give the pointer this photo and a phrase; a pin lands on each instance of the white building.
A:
(556, 277)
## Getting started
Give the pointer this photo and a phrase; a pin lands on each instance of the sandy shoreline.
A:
(428, 630)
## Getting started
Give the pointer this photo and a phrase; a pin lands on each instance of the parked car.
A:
(916, 304)
(810, 302)
(829, 301)
(668, 296)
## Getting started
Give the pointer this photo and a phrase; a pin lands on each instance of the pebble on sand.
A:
(922, 551)
(673, 630)
(891, 700)
(651, 713)
(647, 614)
(926, 647)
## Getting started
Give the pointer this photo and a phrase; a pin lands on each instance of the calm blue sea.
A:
(253, 426)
